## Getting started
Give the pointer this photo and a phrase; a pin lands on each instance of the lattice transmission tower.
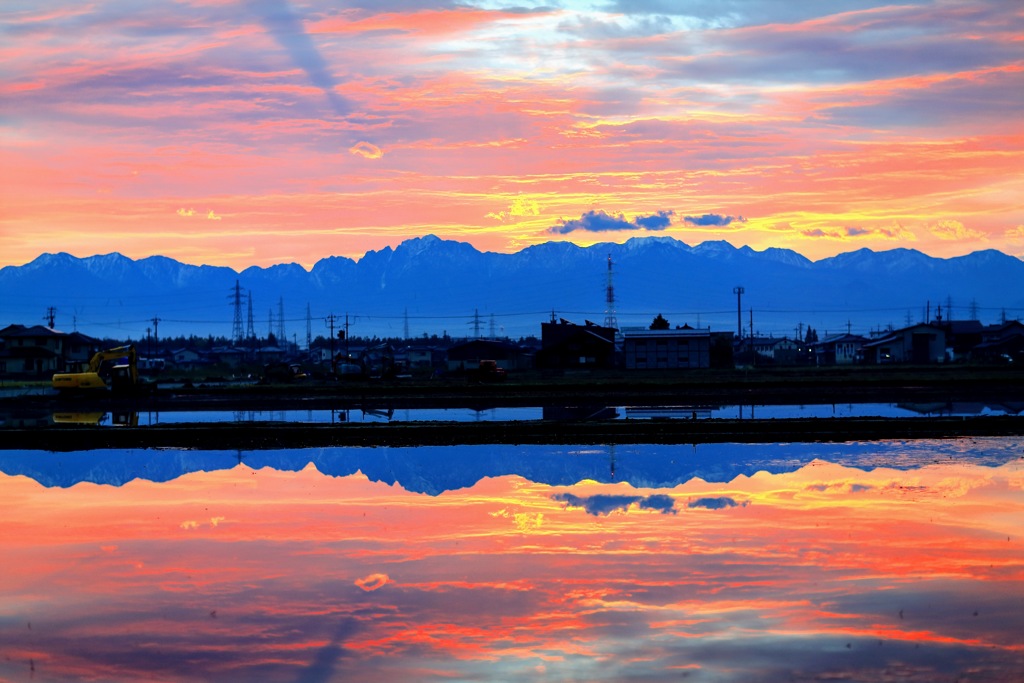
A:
(235, 296)
(250, 327)
(609, 299)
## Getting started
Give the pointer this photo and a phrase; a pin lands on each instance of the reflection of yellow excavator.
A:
(114, 368)
(122, 419)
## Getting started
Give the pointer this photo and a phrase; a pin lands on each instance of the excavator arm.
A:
(115, 368)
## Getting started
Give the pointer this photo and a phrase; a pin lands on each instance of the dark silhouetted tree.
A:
(659, 323)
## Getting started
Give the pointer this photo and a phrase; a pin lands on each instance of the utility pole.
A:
(751, 322)
(280, 321)
(738, 291)
(330, 319)
(156, 335)
(405, 328)
(51, 316)
(309, 328)
(493, 332)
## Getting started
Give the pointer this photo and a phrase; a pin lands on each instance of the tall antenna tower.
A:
(250, 329)
(609, 300)
(309, 328)
(280, 321)
(236, 301)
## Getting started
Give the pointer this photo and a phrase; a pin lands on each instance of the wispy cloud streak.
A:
(281, 21)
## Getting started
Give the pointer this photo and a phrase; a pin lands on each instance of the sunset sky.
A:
(255, 132)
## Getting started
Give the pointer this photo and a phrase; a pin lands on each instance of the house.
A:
(38, 352)
(920, 344)
(1001, 343)
(188, 359)
(839, 349)
(961, 337)
(467, 355)
(228, 356)
(425, 358)
(566, 345)
(666, 349)
(767, 351)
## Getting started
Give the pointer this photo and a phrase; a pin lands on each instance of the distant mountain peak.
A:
(442, 285)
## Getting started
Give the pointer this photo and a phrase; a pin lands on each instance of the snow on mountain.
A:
(436, 286)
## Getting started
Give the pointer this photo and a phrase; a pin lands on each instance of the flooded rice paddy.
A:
(880, 561)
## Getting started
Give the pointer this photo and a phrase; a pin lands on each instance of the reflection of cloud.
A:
(186, 212)
(524, 521)
(713, 220)
(840, 487)
(718, 503)
(367, 150)
(372, 582)
(599, 221)
(605, 504)
(529, 522)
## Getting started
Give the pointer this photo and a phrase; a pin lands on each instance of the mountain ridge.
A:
(429, 284)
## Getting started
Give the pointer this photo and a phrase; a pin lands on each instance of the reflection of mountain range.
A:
(433, 470)
(439, 284)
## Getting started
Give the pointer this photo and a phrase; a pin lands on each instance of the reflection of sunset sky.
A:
(247, 574)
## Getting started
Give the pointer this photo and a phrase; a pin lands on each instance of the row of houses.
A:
(921, 344)
(38, 352)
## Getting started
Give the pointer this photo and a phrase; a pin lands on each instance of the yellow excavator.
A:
(116, 369)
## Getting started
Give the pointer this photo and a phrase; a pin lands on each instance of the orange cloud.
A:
(954, 230)
(366, 150)
(372, 582)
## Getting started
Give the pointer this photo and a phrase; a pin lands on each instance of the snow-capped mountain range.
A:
(429, 285)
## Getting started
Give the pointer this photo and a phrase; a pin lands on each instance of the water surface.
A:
(727, 562)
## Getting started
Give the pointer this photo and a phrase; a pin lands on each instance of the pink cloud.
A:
(372, 582)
